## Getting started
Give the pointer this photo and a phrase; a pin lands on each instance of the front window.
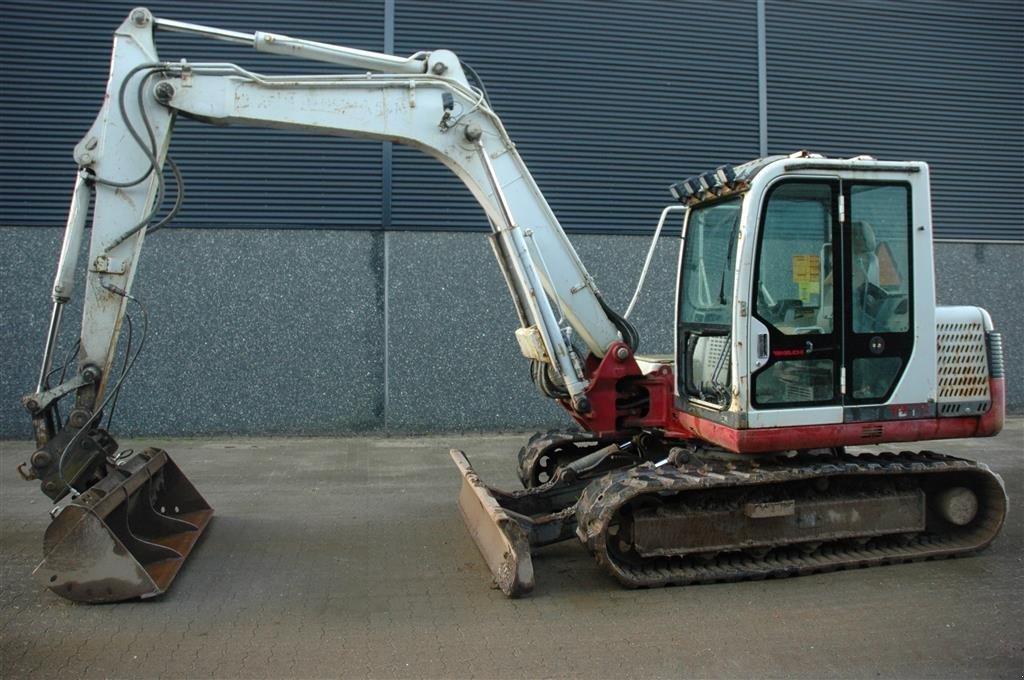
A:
(706, 299)
(708, 263)
(880, 259)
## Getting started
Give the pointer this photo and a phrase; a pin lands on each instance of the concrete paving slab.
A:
(346, 558)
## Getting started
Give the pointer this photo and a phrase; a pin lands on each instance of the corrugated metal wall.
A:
(934, 80)
(55, 64)
(609, 102)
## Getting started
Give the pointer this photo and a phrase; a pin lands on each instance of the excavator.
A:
(806, 332)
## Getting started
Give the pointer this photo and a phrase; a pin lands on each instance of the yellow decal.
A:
(806, 269)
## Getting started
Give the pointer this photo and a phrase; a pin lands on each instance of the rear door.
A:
(878, 322)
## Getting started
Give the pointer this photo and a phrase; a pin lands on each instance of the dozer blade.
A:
(502, 541)
(127, 536)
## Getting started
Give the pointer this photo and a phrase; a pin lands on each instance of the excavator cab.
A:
(806, 294)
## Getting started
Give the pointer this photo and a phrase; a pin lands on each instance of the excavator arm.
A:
(425, 101)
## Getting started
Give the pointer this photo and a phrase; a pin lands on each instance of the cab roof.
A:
(728, 179)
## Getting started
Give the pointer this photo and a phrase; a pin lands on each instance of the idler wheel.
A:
(957, 505)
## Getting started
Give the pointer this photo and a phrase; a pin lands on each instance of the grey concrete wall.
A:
(990, 275)
(453, 363)
(250, 331)
(283, 332)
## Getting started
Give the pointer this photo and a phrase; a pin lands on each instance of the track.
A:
(609, 509)
(545, 452)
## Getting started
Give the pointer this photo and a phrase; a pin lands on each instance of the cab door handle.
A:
(811, 349)
(762, 346)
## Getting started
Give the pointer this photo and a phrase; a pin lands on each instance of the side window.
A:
(709, 256)
(796, 381)
(880, 258)
(795, 263)
(880, 288)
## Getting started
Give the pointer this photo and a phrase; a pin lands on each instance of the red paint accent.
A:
(991, 423)
(613, 379)
(661, 400)
(763, 440)
(605, 377)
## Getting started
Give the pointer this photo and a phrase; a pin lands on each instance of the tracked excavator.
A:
(805, 325)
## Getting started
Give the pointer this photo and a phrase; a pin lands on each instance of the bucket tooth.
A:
(127, 536)
(502, 541)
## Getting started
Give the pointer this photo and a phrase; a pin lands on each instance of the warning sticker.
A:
(809, 291)
(806, 268)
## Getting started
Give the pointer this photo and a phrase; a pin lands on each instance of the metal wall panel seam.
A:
(937, 81)
(762, 82)
(236, 177)
(386, 274)
(386, 150)
(605, 105)
(984, 241)
(386, 169)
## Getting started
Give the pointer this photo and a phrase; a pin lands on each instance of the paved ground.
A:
(345, 557)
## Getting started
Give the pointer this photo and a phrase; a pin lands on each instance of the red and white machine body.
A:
(762, 362)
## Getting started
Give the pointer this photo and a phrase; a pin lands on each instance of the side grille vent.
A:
(966, 356)
(962, 362)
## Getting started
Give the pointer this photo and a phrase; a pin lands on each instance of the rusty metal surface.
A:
(501, 540)
(686, 530)
(127, 536)
(506, 525)
(70, 459)
(716, 519)
(544, 452)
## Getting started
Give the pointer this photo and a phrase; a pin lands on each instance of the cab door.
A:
(832, 322)
(704, 311)
(795, 330)
(878, 319)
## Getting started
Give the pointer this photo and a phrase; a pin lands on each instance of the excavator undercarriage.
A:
(703, 516)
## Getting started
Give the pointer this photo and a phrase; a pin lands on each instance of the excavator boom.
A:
(425, 101)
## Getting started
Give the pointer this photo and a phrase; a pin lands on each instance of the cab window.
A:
(706, 301)
(880, 258)
(708, 264)
(794, 295)
(880, 288)
(795, 262)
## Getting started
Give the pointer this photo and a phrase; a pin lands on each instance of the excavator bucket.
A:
(127, 536)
